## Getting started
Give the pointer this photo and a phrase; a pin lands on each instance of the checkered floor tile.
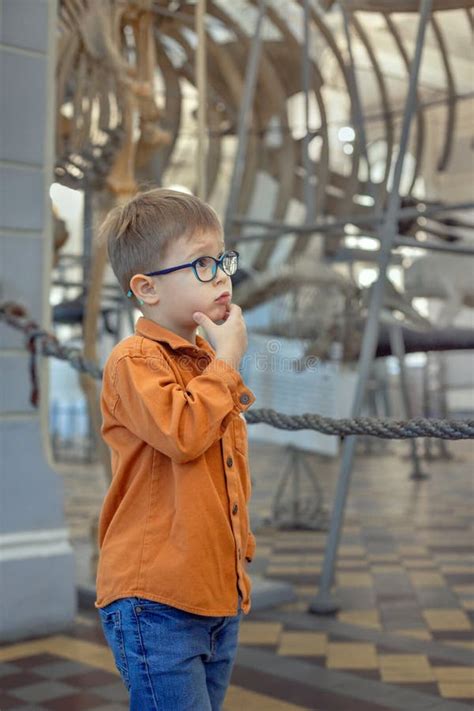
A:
(404, 581)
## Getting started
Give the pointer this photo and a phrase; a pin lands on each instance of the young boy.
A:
(174, 530)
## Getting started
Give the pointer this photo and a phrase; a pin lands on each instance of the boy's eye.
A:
(204, 262)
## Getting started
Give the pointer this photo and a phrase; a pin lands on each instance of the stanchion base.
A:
(419, 476)
(299, 525)
(323, 606)
(440, 457)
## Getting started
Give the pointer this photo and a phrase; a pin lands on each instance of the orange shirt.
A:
(174, 524)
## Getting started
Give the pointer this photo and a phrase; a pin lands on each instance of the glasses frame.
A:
(218, 263)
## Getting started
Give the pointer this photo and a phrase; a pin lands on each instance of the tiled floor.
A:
(402, 638)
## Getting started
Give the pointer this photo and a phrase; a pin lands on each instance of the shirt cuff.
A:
(242, 396)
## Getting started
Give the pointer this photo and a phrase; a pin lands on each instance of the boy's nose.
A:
(221, 277)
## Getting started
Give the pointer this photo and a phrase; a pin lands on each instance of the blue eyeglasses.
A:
(205, 268)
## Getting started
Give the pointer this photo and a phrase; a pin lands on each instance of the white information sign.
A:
(322, 388)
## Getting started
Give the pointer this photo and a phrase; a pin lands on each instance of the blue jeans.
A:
(171, 660)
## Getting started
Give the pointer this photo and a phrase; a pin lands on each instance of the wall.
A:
(36, 562)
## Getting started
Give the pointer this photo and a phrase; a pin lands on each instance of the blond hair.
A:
(139, 231)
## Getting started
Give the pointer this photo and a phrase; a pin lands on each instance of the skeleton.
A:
(60, 234)
(111, 133)
(449, 278)
(109, 51)
(446, 277)
(109, 124)
(93, 40)
(322, 305)
(99, 93)
(400, 6)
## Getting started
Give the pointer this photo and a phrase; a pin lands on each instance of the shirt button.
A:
(138, 609)
(229, 461)
(240, 554)
(244, 398)
(235, 509)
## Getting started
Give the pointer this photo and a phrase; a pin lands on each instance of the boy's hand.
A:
(229, 340)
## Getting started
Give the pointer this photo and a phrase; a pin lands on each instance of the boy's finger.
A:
(202, 319)
(232, 308)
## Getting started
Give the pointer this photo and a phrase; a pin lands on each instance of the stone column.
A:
(37, 591)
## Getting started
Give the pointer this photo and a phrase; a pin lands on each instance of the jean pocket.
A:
(146, 604)
(112, 626)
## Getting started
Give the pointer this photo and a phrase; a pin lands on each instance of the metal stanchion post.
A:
(244, 119)
(397, 345)
(323, 602)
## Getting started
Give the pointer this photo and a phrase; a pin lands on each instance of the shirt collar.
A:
(151, 329)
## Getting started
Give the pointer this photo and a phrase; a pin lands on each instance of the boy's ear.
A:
(144, 288)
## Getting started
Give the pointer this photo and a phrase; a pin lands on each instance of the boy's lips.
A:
(223, 298)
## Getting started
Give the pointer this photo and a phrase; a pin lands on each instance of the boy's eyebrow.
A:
(200, 252)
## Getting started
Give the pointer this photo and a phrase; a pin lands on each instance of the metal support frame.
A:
(323, 602)
(354, 254)
(399, 241)
(397, 345)
(309, 182)
(358, 220)
(358, 116)
(251, 74)
(436, 363)
(293, 509)
(301, 514)
(87, 239)
(374, 445)
(201, 82)
(443, 398)
(450, 247)
(427, 405)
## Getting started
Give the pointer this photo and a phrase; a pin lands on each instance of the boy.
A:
(174, 531)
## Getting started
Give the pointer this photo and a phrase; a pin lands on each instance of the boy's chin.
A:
(217, 320)
(219, 317)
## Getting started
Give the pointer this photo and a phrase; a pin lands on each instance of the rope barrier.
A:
(40, 342)
(374, 426)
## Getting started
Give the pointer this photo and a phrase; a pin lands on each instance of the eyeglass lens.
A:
(206, 267)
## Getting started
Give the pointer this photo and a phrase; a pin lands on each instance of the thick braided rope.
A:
(40, 341)
(44, 343)
(373, 426)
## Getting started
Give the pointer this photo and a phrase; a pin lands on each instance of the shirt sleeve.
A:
(144, 396)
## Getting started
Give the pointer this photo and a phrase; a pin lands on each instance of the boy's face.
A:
(181, 294)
